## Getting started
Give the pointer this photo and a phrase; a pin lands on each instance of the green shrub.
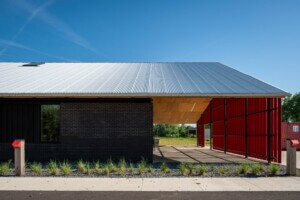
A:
(237, 172)
(150, 169)
(111, 166)
(88, 170)
(244, 168)
(81, 166)
(36, 168)
(122, 166)
(182, 169)
(4, 168)
(274, 168)
(212, 168)
(122, 171)
(122, 163)
(131, 167)
(163, 167)
(262, 168)
(52, 168)
(142, 168)
(105, 170)
(201, 170)
(65, 168)
(191, 168)
(255, 169)
(168, 171)
(228, 169)
(221, 171)
(97, 167)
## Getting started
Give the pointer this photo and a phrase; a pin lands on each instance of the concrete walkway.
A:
(196, 155)
(149, 184)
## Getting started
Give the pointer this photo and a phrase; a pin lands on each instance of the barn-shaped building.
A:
(68, 111)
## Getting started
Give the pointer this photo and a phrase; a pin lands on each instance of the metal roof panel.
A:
(210, 79)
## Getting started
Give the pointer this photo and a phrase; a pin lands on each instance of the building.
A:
(289, 131)
(98, 111)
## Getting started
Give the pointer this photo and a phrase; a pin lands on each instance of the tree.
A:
(170, 130)
(291, 108)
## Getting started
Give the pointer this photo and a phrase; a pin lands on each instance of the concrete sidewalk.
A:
(149, 184)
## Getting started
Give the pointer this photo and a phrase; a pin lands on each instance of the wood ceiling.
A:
(176, 110)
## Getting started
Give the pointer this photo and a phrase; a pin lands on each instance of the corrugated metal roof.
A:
(130, 79)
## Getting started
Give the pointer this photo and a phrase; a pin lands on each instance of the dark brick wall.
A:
(97, 131)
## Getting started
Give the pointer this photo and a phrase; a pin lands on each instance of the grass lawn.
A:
(178, 141)
(207, 142)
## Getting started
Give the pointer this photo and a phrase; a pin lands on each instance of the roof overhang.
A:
(172, 110)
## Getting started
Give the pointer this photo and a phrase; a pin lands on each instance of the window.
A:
(295, 129)
(50, 118)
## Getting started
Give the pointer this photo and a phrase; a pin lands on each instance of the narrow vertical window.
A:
(50, 123)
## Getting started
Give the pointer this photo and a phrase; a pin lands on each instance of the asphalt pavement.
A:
(85, 195)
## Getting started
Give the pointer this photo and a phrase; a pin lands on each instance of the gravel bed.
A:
(212, 171)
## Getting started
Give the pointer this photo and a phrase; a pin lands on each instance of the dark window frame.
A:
(41, 127)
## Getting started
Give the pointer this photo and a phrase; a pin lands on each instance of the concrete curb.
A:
(149, 184)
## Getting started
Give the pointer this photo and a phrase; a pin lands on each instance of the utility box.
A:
(291, 153)
(19, 148)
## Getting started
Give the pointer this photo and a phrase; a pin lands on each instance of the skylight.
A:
(33, 64)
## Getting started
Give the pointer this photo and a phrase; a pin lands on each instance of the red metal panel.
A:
(218, 142)
(200, 134)
(257, 105)
(257, 131)
(218, 127)
(235, 125)
(235, 108)
(279, 130)
(216, 102)
(229, 121)
(218, 114)
(236, 144)
(236, 135)
(206, 118)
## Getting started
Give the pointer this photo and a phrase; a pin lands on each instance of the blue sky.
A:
(260, 38)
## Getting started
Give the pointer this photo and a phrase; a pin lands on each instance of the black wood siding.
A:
(20, 121)
(91, 129)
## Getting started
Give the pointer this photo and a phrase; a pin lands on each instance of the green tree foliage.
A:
(171, 130)
(291, 108)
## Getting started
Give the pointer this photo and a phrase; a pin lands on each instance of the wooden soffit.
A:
(176, 110)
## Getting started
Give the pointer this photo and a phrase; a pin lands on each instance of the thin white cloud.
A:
(49, 19)
(31, 17)
(21, 46)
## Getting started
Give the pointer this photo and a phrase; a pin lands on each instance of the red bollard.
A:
(291, 153)
(19, 147)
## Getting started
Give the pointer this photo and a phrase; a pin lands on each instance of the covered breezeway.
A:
(248, 127)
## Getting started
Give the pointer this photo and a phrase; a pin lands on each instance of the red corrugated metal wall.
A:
(245, 126)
